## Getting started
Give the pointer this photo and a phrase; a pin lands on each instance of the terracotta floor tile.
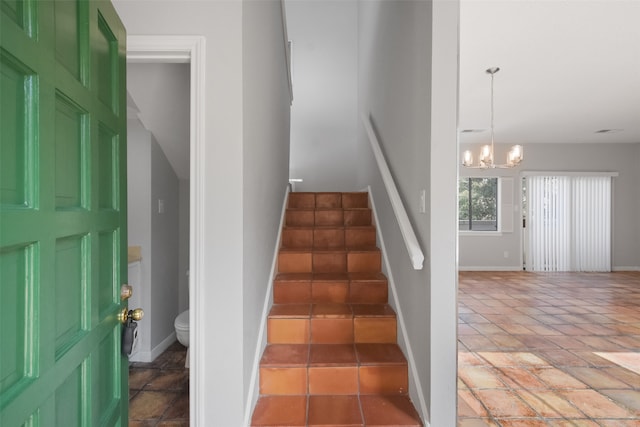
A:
(583, 422)
(288, 331)
(331, 331)
(481, 377)
(375, 329)
(524, 422)
(549, 404)
(629, 399)
(476, 422)
(595, 378)
(629, 361)
(280, 411)
(380, 354)
(469, 405)
(624, 375)
(343, 411)
(389, 411)
(520, 378)
(595, 405)
(301, 200)
(466, 358)
(329, 380)
(384, 379)
(355, 200)
(330, 291)
(283, 381)
(557, 379)
(504, 403)
(332, 354)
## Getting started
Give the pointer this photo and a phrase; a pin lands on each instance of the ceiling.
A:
(568, 69)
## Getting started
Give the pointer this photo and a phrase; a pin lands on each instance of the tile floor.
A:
(549, 349)
(159, 391)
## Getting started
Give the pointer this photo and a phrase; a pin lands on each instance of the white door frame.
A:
(187, 49)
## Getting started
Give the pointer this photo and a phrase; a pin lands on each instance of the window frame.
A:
(498, 230)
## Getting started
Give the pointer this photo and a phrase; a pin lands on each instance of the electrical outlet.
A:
(506, 254)
(160, 206)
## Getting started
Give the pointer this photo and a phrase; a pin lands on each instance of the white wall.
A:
(483, 252)
(183, 260)
(150, 179)
(324, 119)
(266, 115)
(221, 396)
(408, 84)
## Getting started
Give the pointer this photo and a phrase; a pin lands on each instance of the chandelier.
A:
(485, 161)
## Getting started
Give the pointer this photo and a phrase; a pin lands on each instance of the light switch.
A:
(160, 206)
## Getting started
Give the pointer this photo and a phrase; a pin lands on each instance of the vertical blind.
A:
(568, 223)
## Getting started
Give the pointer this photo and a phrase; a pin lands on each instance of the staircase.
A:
(332, 357)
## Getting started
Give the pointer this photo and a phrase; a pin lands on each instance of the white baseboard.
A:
(150, 356)
(404, 335)
(488, 268)
(636, 268)
(252, 394)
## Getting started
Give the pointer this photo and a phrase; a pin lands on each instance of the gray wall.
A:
(139, 219)
(164, 241)
(394, 87)
(266, 112)
(487, 252)
(408, 68)
(222, 316)
(151, 178)
(324, 118)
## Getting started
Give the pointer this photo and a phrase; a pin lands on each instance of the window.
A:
(478, 204)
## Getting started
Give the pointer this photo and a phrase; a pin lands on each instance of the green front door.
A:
(62, 213)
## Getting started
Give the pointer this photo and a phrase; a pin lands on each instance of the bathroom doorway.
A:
(185, 51)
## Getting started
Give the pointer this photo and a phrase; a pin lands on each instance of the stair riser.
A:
(329, 380)
(328, 200)
(304, 292)
(329, 262)
(328, 218)
(304, 238)
(377, 330)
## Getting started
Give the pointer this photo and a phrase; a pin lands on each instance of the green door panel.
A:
(62, 214)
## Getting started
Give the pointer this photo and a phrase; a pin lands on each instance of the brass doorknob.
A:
(126, 314)
(136, 314)
(126, 291)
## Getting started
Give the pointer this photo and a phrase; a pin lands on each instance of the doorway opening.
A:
(187, 50)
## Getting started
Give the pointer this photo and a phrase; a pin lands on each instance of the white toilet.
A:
(182, 331)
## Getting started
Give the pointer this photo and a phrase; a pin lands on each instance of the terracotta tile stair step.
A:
(330, 323)
(304, 200)
(326, 237)
(346, 410)
(336, 369)
(357, 288)
(351, 217)
(361, 259)
(332, 357)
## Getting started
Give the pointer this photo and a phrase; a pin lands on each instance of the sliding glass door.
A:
(568, 225)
